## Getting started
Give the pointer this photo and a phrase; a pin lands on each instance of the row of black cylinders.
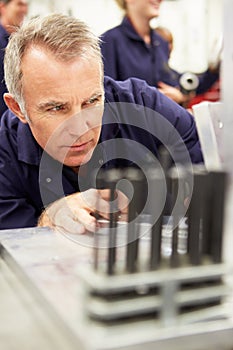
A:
(178, 192)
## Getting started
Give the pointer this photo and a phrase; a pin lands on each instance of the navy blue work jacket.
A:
(126, 55)
(4, 37)
(133, 129)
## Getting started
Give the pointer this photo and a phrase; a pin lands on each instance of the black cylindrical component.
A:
(196, 215)
(177, 176)
(218, 179)
(112, 177)
(136, 178)
(157, 193)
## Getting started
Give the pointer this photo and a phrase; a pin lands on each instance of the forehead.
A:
(38, 59)
(43, 73)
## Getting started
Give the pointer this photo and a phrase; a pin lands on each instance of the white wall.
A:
(99, 14)
(195, 24)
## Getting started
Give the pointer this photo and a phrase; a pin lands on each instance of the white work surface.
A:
(40, 305)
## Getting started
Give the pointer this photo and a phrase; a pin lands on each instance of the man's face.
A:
(64, 102)
(14, 12)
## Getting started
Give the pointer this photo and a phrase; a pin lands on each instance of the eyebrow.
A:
(95, 95)
(49, 104)
(44, 105)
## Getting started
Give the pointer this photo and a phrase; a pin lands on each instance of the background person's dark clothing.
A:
(4, 37)
(126, 55)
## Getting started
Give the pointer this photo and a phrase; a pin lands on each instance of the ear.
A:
(14, 107)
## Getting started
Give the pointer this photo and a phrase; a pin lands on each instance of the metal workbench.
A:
(41, 305)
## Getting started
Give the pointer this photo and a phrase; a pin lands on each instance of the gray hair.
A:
(66, 37)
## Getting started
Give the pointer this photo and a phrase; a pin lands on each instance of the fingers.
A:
(75, 213)
(119, 205)
(162, 85)
(68, 224)
(71, 220)
(87, 221)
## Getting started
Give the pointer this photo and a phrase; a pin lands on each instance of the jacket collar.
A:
(28, 149)
(132, 34)
(129, 29)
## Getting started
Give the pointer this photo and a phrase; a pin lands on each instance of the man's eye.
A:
(93, 100)
(56, 108)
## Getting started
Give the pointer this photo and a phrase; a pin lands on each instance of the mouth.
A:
(80, 147)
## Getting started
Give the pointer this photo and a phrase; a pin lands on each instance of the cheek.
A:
(44, 135)
(93, 116)
(95, 125)
(97, 132)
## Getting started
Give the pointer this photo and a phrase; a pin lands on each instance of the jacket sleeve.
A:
(206, 80)
(16, 210)
(155, 114)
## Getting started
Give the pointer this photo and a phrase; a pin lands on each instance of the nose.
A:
(77, 125)
(83, 121)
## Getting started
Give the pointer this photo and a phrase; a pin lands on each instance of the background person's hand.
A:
(172, 92)
(77, 213)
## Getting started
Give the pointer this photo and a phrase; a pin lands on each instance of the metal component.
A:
(164, 308)
(189, 82)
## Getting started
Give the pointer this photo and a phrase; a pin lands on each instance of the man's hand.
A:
(77, 213)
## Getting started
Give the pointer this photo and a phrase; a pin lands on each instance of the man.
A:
(12, 14)
(58, 116)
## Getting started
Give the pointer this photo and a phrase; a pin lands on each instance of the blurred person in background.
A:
(12, 14)
(208, 82)
(134, 49)
(166, 34)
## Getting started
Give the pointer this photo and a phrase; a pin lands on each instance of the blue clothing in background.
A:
(134, 113)
(4, 37)
(125, 54)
